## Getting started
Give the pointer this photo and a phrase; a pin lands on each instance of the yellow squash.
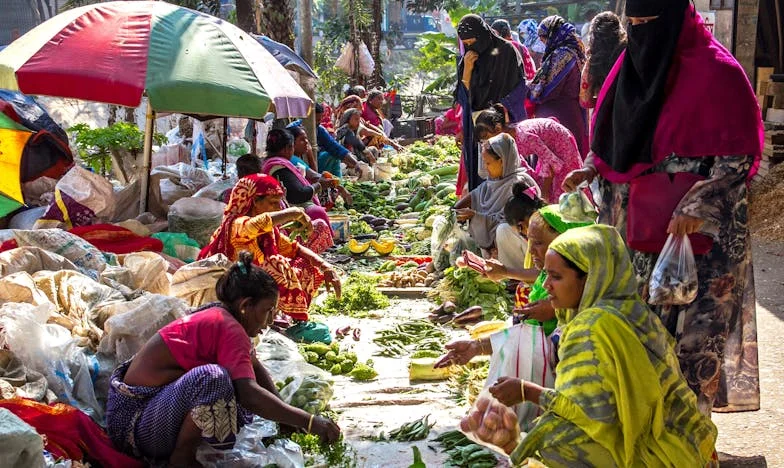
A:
(384, 246)
(358, 248)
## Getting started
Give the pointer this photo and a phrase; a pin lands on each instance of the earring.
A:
(242, 311)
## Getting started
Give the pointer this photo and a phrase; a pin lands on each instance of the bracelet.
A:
(522, 390)
(310, 423)
(317, 187)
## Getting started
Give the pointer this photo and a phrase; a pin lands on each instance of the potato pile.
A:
(492, 423)
(407, 279)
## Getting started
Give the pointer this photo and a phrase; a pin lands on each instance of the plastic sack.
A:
(522, 351)
(310, 393)
(170, 183)
(309, 332)
(50, 350)
(22, 446)
(196, 217)
(674, 278)
(461, 242)
(575, 207)
(442, 228)
(250, 452)
(80, 197)
(148, 271)
(84, 255)
(195, 283)
(346, 60)
(178, 245)
(131, 324)
(238, 147)
(215, 190)
(282, 359)
(492, 424)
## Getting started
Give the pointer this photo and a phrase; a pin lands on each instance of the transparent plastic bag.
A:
(311, 393)
(576, 207)
(674, 280)
(492, 424)
(250, 452)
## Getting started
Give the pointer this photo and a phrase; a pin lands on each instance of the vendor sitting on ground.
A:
(247, 164)
(348, 136)
(252, 222)
(371, 135)
(328, 196)
(451, 123)
(619, 398)
(483, 207)
(198, 378)
(331, 153)
(299, 190)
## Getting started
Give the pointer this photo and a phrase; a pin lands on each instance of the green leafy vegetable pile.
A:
(467, 288)
(360, 294)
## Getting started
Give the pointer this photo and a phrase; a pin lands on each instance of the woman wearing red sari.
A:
(252, 222)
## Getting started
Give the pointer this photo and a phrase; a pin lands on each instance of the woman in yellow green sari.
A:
(619, 398)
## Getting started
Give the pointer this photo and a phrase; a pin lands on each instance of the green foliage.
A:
(94, 145)
(360, 294)
(337, 455)
(331, 79)
(206, 6)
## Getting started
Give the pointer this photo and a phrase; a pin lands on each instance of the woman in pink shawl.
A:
(677, 115)
(299, 191)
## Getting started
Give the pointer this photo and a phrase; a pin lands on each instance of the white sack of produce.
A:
(216, 189)
(16, 380)
(84, 195)
(195, 283)
(170, 183)
(84, 255)
(132, 323)
(148, 271)
(50, 350)
(22, 446)
(196, 217)
(32, 259)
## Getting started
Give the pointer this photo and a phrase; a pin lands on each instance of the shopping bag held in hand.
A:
(674, 278)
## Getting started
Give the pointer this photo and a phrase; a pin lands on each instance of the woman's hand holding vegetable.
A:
(464, 214)
(325, 428)
(508, 391)
(347, 198)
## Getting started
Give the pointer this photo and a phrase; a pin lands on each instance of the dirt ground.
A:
(750, 436)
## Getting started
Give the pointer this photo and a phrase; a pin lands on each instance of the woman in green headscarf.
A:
(619, 398)
(531, 304)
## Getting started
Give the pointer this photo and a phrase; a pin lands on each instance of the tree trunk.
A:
(112, 119)
(375, 50)
(246, 16)
(278, 19)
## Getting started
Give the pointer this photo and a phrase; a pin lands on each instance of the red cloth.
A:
(10, 244)
(211, 336)
(243, 195)
(710, 108)
(69, 433)
(528, 63)
(116, 239)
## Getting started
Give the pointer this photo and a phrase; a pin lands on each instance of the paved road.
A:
(748, 436)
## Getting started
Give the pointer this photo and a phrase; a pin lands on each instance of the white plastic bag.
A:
(346, 60)
(575, 207)
(674, 279)
(522, 351)
(250, 452)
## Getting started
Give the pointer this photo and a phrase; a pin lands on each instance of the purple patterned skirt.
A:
(145, 421)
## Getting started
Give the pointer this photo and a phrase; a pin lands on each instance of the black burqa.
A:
(627, 119)
(496, 73)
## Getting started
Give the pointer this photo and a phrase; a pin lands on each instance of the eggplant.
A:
(444, 319)
(449, 307)
(401, 207)
(367, 218)
(341, 332)
(469, 315)
(379, 222)
(355, 334)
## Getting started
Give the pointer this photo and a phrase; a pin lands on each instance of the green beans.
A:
(414, 430)
(463, 452)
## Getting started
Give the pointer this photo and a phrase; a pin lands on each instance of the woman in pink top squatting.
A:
(198, 378)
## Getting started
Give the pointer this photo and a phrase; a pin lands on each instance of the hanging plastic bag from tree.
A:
(674, 278)
(346, 60)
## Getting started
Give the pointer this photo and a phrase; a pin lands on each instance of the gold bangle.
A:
(310, 423)
(522, 390)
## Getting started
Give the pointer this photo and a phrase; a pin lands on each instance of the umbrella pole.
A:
(225, 144)
(148, 131)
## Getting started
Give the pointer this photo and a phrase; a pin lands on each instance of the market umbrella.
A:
(183, 60)
(13, 138)
(285, 56)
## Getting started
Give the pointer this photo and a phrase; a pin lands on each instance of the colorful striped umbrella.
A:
(13, 138)
(183, 60)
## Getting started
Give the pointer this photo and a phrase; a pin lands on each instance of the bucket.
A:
(340, 227)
